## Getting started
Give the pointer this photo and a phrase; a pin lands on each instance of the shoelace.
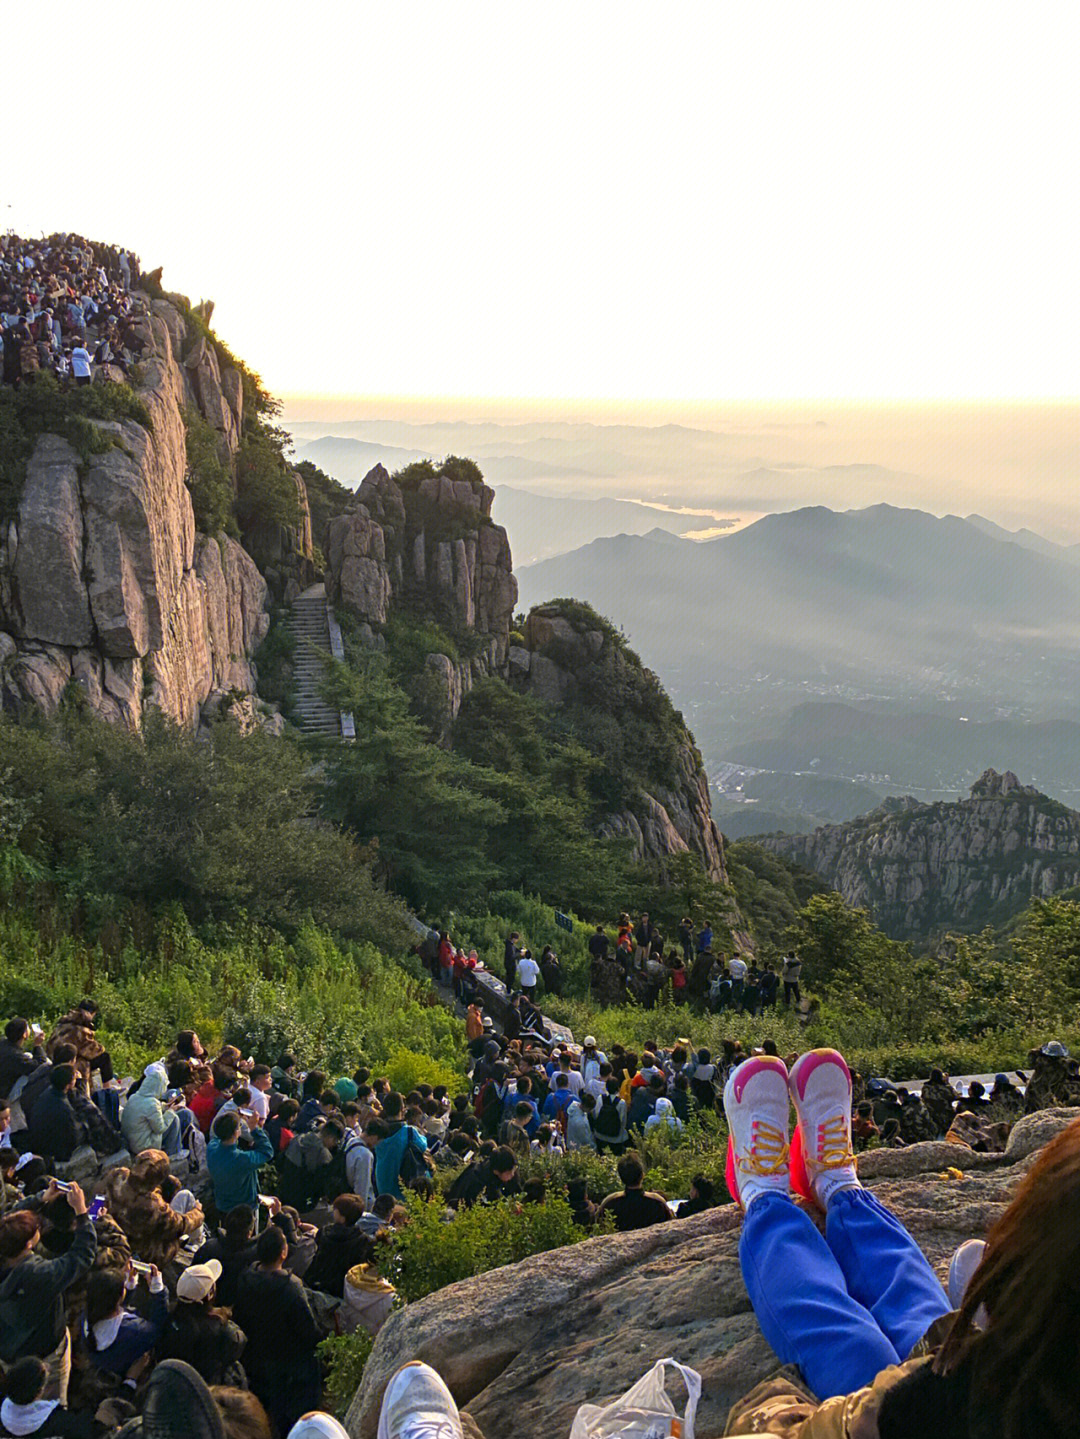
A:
(769, 1149)
(834, 1144)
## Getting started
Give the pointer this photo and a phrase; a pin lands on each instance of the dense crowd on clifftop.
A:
(241, 1207)
(66, 308)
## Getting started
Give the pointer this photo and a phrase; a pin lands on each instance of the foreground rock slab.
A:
(522, 1347)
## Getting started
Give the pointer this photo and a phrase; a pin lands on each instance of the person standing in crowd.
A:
(273, 1310)
(790, 974)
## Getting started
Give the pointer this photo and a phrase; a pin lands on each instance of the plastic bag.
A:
(644, 1411)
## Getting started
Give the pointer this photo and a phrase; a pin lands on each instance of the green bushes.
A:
(429, 1252)
(208, 478)
(44, 406)
(344, 1357)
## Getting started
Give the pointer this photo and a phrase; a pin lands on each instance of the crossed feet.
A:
(817, 1159)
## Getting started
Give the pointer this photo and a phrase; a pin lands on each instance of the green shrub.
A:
(208, 478)
(430, 1252)
(406, 1069)
(344, 1357)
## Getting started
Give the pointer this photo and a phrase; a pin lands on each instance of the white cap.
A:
(317, 1426)
(197, 1280)
(590, 1042)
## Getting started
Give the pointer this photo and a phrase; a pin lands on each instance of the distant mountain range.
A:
(879, 602)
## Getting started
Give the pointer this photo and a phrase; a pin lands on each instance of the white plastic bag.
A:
(643, 1412)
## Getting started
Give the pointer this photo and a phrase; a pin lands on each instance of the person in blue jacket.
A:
(117, 1338)
(235, 1171)
(391, 1149)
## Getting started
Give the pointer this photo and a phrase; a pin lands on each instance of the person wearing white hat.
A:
(199, 1334)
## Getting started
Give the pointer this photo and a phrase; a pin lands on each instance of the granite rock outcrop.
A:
(104, 581)
(923, 867)
(522, 1347)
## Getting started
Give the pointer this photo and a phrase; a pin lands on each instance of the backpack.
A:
(413, 1161)
(608, 1121)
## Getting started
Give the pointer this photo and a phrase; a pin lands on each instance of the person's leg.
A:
(802, 1302)
(103, 1065)
(171, 1141)
(794, 1282)
(883, 1268)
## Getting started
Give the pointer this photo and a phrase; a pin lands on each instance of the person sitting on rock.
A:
(939, 1098)
(634, 1207)
(1049, 1085)
(863, 1128)
(1006, 1101)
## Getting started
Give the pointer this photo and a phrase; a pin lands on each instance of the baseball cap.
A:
(590, 1041)
(197, 1280)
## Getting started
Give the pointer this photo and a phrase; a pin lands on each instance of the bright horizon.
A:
(580, 201)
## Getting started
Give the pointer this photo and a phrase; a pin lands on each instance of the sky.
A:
(598, 208)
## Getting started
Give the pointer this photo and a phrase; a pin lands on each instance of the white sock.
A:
(832, 1181)
(752, 1187)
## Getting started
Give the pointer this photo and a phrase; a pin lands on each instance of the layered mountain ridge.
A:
(921, 868)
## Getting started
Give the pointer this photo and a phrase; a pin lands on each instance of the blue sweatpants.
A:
(842, 1307)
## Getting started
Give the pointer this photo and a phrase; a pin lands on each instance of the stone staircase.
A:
(310, 623)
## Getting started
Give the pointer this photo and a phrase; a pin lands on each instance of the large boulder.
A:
(522, 1347)
(51, 602)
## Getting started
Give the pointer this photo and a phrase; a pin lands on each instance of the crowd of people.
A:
(236, 1210)
(66, 308)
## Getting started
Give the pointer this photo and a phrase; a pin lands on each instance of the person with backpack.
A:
(400, 1153)
(493, 1101)
(609, 1122)
(579, 1122)
(559, 1101)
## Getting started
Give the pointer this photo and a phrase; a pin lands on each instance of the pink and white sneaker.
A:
(822, 1160)
(758, 1109)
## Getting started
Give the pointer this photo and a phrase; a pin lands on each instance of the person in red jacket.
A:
(206, 1102)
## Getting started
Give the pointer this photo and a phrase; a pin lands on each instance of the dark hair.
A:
(242, 1416)
(65, 1054)
(25, 1380)
(16, 1232)
(393, 1105)
(61, 1076)
(286, 1062)
(185, 1043)
(333, 1129)
(384, 1206)
(459, 1142)
(239, 1222)
(259, 1071)
(271, 1246)
(16, 1029)
(329, 1098)
(241, 1095)
(630, 1171)
(227, 1126)
(1024, 1361)
(704, 1187)
(349, 1206)
(502, 1160)
(314, 1083)
(288, 1109)
(523, 1110)
(104, 1295)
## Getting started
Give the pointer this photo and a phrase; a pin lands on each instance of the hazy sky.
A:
(578, 200)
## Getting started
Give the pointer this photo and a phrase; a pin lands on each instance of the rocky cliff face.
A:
(920, 867)
(563, 659)
(104, 581)
(430, 544)
(522, 1347)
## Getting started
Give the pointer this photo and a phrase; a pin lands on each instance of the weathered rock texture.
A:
(433, 546)
(563, 660)
(103, 580)
(523, 1347)
(920, 867)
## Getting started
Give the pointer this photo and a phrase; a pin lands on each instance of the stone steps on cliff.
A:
(310, 624)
